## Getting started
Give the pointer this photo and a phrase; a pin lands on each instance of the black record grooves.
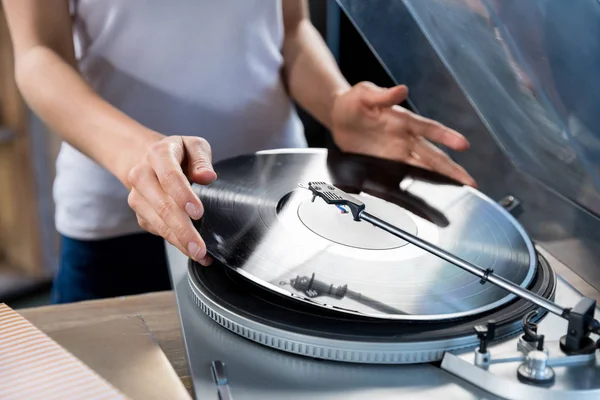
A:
(247, 299)
(261, 225)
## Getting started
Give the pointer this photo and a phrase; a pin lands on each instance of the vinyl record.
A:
(259, 223)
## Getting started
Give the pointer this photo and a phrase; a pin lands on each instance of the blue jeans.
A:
(95, 269)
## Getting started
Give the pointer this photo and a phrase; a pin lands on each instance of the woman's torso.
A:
(180, 67)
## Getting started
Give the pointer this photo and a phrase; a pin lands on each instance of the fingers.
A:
(165, 159)
(430, 129)
(162, 196)
(375, 96)
(156, 208)
(438, 161)
(153, 224)
(150, 221)
(424, 154)
(199, 163)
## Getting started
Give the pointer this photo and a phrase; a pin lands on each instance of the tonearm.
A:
(581, 321)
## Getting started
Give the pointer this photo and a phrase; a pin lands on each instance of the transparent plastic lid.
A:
(531, 69)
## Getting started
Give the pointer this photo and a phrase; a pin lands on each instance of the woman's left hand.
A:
(367, 119)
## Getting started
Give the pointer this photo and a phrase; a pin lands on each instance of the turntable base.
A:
(239, 305)
(255, 371)
(306, 301)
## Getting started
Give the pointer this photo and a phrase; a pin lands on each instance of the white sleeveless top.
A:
(210, 68)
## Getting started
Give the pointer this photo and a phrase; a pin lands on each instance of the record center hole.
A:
(331, 223)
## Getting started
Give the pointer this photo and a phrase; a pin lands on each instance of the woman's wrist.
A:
(134, 153)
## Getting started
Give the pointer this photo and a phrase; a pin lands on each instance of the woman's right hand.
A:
(48, 78)
(161, 194)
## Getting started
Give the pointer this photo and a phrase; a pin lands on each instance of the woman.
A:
(147, 94)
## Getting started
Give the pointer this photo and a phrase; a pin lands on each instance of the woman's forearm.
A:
(312, 75)
(58, 94)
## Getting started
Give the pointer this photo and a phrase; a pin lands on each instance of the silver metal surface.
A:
(218, 369)
(510, 388)
(220, 377)
(577, 377)
(582, 359)
(349, 351)
(256, 371)
(259, 372)
(482, 360)
(399, 281)
(465, 265)
(525, 346)
(536, 368)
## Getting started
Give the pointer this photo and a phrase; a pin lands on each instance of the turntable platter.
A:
(260, 224)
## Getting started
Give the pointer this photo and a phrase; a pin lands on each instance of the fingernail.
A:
(206, 261)
(205, 167)
(194, 251)
(193, 210)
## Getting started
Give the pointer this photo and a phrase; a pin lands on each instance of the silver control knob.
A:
(535, 369)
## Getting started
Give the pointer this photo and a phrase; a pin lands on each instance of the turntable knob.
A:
(535, 369)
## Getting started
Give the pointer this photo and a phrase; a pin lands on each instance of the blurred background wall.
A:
(27, 241)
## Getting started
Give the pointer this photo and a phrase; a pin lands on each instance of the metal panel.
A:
(255, 371)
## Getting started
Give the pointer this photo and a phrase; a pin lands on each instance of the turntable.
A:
(342, 286)
(340, 276)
